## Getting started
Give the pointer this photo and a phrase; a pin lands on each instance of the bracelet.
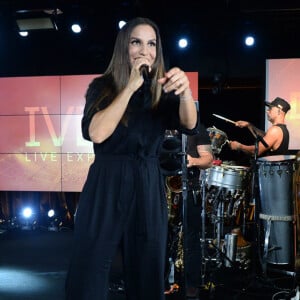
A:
(186, 98)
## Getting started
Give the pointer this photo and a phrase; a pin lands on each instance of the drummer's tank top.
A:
(284, 146)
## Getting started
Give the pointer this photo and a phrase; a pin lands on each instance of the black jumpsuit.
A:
(124, 200)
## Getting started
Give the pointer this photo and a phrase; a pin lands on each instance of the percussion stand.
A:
(255, 200)
(219, 218)
(255, 194)
(219, 224)
(203, 228)
(205, 258)
(184, 210)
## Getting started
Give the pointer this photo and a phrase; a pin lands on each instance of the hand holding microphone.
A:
(144, 69)
(139, 75)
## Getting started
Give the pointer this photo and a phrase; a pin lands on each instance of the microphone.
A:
(144, 69)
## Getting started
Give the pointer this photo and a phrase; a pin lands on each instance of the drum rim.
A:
(216, 130)
(276, 158)
(229, 167)
(238, 167)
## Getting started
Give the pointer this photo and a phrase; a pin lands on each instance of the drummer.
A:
(273, 142)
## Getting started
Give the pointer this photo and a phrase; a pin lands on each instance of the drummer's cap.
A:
(280, 103)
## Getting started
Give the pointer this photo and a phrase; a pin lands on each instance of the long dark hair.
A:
(118, 70)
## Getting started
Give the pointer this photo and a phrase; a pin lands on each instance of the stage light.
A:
(35, 23)
(27, 220)
(121, 24)
(170, 158)
(51, 213)
(23, 33)
(27, 212)
(183, 43)
(249, 41)
(218, 82)
(76, 28)
(54, 221)
(37, 19)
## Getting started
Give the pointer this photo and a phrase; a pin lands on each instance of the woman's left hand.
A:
(175, 80)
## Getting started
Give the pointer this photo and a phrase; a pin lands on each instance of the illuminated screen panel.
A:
(30, 172)
(41, 146)
(282, 80)
(17, 93)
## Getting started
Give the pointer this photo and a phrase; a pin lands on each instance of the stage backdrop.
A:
(283, 80)
(41, 147)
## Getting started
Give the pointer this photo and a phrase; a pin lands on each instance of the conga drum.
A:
(275, 178)
(297, 214)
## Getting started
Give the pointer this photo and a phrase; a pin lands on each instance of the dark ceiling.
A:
(216, 28)
(231, 77)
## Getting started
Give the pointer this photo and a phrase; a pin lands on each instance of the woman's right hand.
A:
(136, 78)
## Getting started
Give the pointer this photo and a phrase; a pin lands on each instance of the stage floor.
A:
(33, 266)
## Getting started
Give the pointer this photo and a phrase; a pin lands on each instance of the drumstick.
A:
(223, 118)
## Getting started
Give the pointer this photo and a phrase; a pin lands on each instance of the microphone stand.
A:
(184, 200)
